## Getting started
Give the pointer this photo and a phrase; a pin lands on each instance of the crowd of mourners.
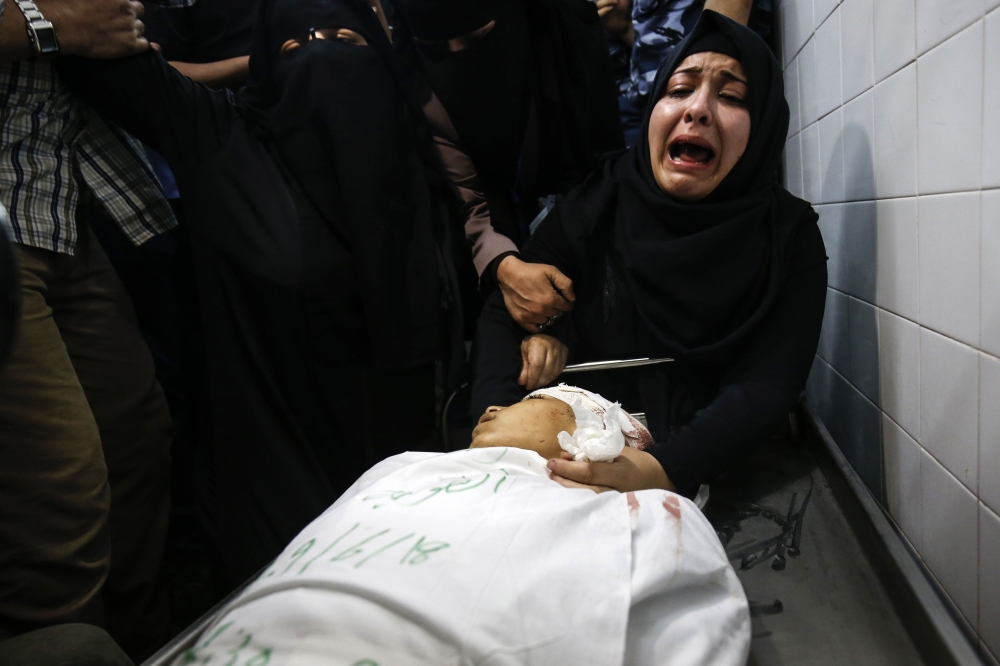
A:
(247, 247)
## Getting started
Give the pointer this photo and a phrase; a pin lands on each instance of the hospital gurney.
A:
(829, 577)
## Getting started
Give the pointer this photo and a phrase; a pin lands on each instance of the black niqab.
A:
(343, 129)
(702, 274)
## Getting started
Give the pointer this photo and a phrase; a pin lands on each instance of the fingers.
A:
(563, 285)
(568, 483)
(555, 362)
(522, 379)
(537, 359)
(543, 358)
(584, 473)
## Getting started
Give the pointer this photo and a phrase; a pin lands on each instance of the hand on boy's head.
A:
(532, 424)
(632, 470)
(543, 358)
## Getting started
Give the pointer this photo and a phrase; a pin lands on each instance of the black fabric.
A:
(63, 645)
(715, 42)
(438, 20)
(733, 287)
(306, 392)
(206, 31)
(10, 297)
(532, 101)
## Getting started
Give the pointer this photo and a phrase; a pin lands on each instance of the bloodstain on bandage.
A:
(673, 506)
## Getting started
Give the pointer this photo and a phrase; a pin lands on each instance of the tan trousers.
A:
(84, 457)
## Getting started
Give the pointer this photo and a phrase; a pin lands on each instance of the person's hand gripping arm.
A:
(535, 294)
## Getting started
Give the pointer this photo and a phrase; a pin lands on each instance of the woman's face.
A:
(532, 424)
(699, 129)
(339, 34)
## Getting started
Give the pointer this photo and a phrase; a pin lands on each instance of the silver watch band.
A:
(41, 32)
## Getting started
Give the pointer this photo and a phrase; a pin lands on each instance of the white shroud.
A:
(477, 557)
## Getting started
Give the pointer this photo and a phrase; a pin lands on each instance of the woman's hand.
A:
(533, 292)
(632, 470)
(543, 359)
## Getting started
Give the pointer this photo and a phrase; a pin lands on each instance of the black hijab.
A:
(341, 124)
(702, 274)
(547, 52)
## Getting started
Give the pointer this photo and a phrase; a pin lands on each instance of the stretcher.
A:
(829, 577)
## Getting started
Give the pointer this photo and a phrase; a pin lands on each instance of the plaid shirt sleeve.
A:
(51, 145)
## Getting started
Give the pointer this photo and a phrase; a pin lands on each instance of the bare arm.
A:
(231, 73)
(90, 28)
(738, 10)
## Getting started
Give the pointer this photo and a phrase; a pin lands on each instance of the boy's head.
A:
(535, 422)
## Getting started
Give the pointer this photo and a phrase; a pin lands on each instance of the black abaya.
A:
(300, 281)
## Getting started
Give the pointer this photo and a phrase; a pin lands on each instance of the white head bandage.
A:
(602, 428)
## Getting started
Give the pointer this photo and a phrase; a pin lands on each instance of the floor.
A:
(823, 605)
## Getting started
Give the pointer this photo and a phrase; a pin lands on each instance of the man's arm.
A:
(231, 73)
(738, 10)
(90, 28)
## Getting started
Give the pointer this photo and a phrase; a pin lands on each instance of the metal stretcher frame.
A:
(929, 618)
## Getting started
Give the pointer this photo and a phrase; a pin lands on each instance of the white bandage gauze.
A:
(602, 428)
(595, 439)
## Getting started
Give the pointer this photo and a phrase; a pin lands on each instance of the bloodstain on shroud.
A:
(673, 506)
(633, 503)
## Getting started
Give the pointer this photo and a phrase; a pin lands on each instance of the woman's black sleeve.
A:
(183, 120)
(762, 385)
(496, 363)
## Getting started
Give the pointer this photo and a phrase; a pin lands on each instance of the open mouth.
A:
(683, 152)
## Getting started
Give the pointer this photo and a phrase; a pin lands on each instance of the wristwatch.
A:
(41, 32)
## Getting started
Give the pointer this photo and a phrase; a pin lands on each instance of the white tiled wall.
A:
(895, 139)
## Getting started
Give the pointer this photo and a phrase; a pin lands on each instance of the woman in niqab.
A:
(684, 247)
(318, 270)
(522, 89)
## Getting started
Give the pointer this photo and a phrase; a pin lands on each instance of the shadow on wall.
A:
(844, 382)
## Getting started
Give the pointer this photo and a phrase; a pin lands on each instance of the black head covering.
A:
(485, 87)
(549, 51)
(341, 125)
(703, 274)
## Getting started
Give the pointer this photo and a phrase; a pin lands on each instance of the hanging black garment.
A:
(733, 287)
(532, 100)
(314, 234)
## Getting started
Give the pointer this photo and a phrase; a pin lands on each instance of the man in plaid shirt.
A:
(84, 427)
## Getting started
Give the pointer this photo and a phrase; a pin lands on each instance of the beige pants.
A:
(84, 457)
